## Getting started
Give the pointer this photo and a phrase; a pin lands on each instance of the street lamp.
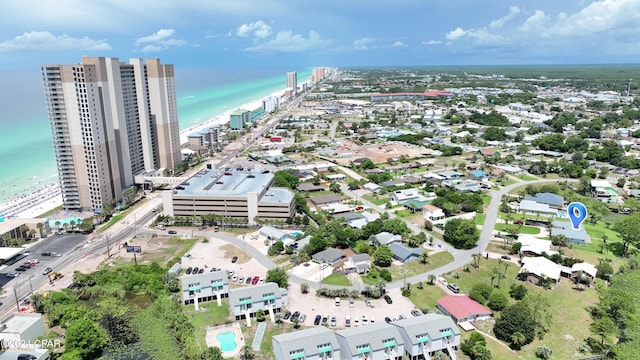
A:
(404, 278)
(31, 285)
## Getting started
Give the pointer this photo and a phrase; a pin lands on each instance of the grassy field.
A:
(480, 219)
(417, 267)
(486, 199)
(114, 219)
(526, 177)
(376, 200)
(427, 297)
(210, 314)
(531, 230)
(337, 279)
(569, 318)
(507, 181)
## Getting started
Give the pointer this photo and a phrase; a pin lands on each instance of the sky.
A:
(303, 33)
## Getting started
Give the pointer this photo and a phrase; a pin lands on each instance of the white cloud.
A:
(258, 29)
(513, 12)
(455, 34)
(364, 43)
(44, 40)
(432, 42)
(536, 22)
(160, 40)
(399, 44)
(286, 41)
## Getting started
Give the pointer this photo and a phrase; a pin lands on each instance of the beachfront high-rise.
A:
(292, 81)
(110, 121)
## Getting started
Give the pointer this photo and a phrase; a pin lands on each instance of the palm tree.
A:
(518, 339)
(432, 279)
(424, 257)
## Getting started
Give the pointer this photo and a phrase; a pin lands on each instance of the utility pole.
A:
(31, 285)
(15, 293)
(108, 247)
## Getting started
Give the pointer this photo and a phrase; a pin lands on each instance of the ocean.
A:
(27, 161)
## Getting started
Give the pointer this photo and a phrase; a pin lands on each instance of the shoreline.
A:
(25, 206)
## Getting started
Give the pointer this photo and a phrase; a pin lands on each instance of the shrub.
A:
(304, 288)
(385, 274)
(543, 352)
(497, 301)
(480, 292)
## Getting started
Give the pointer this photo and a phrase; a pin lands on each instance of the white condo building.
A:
(110, 121)
(292, 81)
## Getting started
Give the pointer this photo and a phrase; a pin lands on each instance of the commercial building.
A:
(206, 137)
(239, 119)
(317, 343)
(17, 228)
(19, 338)
(292, 81)
(245, 194)
(205, 287)
(245, 302)
(110, 121)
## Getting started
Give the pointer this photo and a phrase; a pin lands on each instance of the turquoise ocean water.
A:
(26, 152)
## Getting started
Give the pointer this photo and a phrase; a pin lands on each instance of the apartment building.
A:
(248, 300)
(426, 334)
(317, 343)
(204, 287)
(378, 341)
(110, 121)
(292, 81)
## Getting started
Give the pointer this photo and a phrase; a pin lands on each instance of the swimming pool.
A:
(227, 341)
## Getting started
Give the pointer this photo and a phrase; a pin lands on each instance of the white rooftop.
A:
(541, 266)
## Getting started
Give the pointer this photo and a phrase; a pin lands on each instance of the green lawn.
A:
(376, 200)
(526, 177)
(507, 181)
(480, 219)
(403, 213)
(417, 267)
(427, 297)
(337, 279)
(114, 219)
(486, 199)
(212, 315)
(569, 318)
(531, 230)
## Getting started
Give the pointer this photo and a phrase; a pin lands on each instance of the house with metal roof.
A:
(246, 301)
(272, 233)
(535, 208)
(405, 254)
(426, 334)
(313, 343)
(325, 199)
(462, 308)
(404, 195)
(553, 200)
(329, 256)
(574, 236)
(358, 263)
(203, 287)
(386, 238)
(374, 341)
(537, 269)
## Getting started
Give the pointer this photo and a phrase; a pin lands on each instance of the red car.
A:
(518, 222)
(255, 280)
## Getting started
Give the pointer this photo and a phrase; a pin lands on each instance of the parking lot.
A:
(312, 305)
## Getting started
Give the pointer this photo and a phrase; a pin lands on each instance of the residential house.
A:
(426, 334)
(203, 287)
(537, 270)
(405, 254)
(488, 152)
(336, 177)
(534, 208)
(478, 174)
(358, 263)
(414, 205)
(246, 301)
(449, 174)
(316, 343)
(325, 199)
(372, 342)
(553, 200)
(461, 308)
(329, 256)
(404, 195)
(272, 233)
(469, 186)
(510, 169)
(386, 238)
(574, 236)
(533, 246)
(432, 213)
(309, 187)
(585, 271)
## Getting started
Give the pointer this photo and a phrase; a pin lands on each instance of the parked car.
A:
(241, 279)
(261, 281)
(47, 271)
(416, 312)
(325, 319)
(333, 322)
(21, 268)
(347, 321)
(506, 257)
(234, 259)
(454, 288)
(33, 261)
(387, 319)
(365, 321)
(368, 302)
(387, 298)
(46, 254)
(189, 270)
(27, 357)
(255, 280)
(518, 222)
(195, 270)
(287, 315)
(13, 274)
(443, 281)
(317, 320)
(337, 301)
(352, 303)
(295, 315)
(401, 317)
(201, 271)
(303, 317)
(356, 323)
(172, 232)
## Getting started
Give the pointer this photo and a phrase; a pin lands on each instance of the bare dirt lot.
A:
(379, 153)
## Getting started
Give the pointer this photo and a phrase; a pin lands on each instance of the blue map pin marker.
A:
(577, 213)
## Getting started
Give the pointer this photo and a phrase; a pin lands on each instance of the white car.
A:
(365, 321)
(13, 274)
(33, 261)
(443, 281)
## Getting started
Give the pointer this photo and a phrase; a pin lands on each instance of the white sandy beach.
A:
(28, 207)
(224, 117)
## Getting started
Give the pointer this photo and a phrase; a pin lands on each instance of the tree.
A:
(476, 347)
(605, 270)
(628, 230)
(461, 233)
(278, 276)
(335, 187)
(383, 256)
(85, 337)
(605, 328)
(559, 240)
(431, 279)
(516, 325)
(424, 257)
(304, 288)
(212, 353)
(480, 292)
(543, 352)
(247, 353)
(518, 292)
(497, 301)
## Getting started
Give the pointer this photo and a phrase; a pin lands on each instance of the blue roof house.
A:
(405, 254)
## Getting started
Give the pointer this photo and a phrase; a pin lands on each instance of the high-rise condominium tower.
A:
(292, 81)
(110, 121)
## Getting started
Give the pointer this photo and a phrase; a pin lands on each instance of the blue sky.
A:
(301, 33)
